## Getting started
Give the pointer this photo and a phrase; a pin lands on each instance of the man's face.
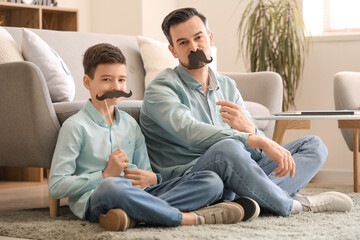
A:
(188, 37)
(107, 77)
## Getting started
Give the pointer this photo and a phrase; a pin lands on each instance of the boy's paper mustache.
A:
(196, 58)
(113, 94)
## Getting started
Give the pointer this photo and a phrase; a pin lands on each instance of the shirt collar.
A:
(189, 80)
(97, 117)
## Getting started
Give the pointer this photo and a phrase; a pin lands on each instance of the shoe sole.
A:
(251, 208)
(114, 220)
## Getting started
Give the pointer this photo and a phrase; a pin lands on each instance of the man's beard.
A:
(197, 60)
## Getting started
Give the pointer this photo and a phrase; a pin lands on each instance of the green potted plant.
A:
(272, 37)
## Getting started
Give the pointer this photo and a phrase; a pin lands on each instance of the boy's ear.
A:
(86, 81)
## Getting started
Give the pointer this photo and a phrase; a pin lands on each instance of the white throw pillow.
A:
(57, 75)
(156, 57)
(9, 51)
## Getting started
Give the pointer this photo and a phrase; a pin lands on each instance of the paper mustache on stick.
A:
(110, 95)
(196, 59)
(113, 94)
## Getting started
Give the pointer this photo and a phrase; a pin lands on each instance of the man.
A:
(194, 119)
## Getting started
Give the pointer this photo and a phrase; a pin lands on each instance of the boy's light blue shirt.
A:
(180, 122)
(84, 145)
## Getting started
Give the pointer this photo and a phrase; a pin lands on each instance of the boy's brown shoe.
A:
(221, 213)
(116, 220)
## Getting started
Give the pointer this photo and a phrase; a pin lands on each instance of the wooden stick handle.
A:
(112, 125)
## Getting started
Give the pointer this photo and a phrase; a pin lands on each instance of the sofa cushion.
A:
(257, 109)
(57, 75)
(156, 57)
(9, 51)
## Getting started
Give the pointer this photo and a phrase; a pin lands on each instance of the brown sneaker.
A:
(221, 213)
(116, 220)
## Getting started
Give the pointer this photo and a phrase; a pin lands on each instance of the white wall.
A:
(108, 16)
(117, 16)
(85, 10)
(153, 13)
(326, 57)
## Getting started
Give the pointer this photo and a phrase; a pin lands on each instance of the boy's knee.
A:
(114, 185)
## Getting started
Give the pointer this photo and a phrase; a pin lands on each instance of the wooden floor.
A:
(24, 195)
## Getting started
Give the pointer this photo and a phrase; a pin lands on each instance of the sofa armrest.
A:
(29, 126)
(265, 88)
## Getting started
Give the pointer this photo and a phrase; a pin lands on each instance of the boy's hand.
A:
(140, 178)
(233, 115)
(118, 161)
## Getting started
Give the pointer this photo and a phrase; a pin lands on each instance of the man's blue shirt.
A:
(180, 122)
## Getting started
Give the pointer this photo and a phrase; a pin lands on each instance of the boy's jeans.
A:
(255, 178)
(161, 204)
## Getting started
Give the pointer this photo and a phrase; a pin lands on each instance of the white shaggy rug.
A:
(36, 224)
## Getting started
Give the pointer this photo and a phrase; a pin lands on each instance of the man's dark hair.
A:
(100, 54)
(179, 16)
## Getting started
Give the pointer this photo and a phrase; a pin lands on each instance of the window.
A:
(323, 17)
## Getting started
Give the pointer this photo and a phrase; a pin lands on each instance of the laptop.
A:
(318, 112)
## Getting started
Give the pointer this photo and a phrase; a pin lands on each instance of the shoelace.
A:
(319, 207)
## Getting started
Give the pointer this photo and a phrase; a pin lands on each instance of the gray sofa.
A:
(30, 121)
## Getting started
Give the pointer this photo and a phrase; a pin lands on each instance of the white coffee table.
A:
(303, 122)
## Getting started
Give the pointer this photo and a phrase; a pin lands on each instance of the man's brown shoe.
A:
(116, 220)
(221, 213)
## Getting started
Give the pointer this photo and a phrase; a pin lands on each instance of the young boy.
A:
(101, 163)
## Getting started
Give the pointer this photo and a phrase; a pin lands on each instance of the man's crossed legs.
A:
(254, 178)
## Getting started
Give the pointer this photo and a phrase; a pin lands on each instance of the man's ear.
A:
(172, 50)
(211, 37)
(86, 81)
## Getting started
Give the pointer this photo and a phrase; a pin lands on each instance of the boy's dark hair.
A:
(100, 54)
(179, 16)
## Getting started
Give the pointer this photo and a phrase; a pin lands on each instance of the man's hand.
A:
(233, 115)
(118, 161)
(141, 178)
(276, 153)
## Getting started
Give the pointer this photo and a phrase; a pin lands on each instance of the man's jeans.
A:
(161, 204)
(255, 178)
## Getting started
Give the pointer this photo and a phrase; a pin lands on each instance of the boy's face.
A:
(107, 77)
(190, 36)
